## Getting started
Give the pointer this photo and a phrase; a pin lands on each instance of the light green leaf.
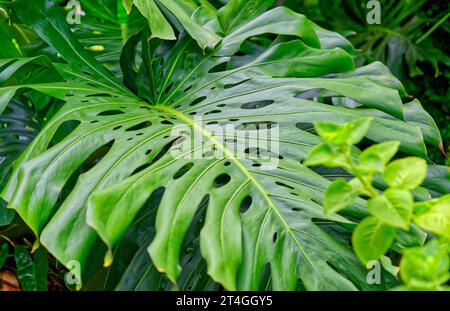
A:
(205, 38)
(375, 158)
(372, 239)
(324, 154)
(127, 4)
(406, 173)
(394, 207)
(356, 129)
(426, 267)
(338, 196)
(329, 131)
(345, 134)
(434, 215)
(159, 26)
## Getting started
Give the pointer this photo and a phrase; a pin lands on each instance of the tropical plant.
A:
(401, 39)
(409, 39)
(422, 268)
(129, 174)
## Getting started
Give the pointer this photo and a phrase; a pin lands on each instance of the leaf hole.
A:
(99, 95)
(183, 170)
(284, 185)
(139, 126)
(213, 111)
(231, 85)
(63, 131)
(221, 180)
(245, 204)
(257, 104)
(218, 68)
(140, 168)
(110, 113)
(197, 101)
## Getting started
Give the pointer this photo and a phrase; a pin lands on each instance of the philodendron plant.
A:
(143, 176)
(426, 267)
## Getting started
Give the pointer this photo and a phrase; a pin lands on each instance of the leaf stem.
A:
(432, 29)
(355, 171)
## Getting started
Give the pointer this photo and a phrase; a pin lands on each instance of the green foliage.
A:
(401, 40)
(31, 270)
(425, 267)
(339, 195)
(375, 158)
(407, 173)
(394, 207)
(372, 238)
(434, 215)
(159, 26)
(4, 251)
(116, 181)
(410, 40)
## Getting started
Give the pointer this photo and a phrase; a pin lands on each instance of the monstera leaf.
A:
(171, 171)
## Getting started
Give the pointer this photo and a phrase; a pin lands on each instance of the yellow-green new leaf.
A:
(372, 239)
(127, 4)
(375, 158)
(426, 267)
(159, 26)
(393, 208)
(434, 216)
(407, 173)
(345, 134)
(324, 154)
(338, 196)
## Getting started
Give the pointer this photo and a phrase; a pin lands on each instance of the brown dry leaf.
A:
(8, 282)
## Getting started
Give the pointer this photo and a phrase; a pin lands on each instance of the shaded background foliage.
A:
(412, 40)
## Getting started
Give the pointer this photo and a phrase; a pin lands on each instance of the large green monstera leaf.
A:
(172, 167)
